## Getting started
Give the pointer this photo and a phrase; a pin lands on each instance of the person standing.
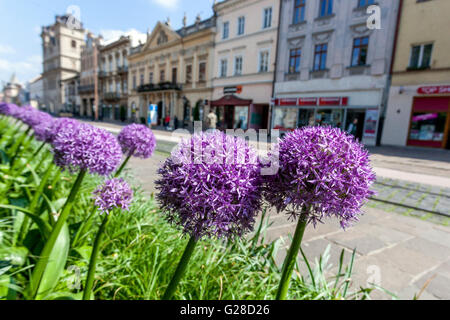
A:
(212, 120)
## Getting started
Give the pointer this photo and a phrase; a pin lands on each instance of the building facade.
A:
(61, 46)
(113, 78)
(171, 74)
(89, 76)
(71, 96)
(332, 69)
(12, 91)
(36, 89)
(419, 102)
(245, 51)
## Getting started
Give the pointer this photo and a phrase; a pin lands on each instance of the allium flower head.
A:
(84, 147)
(324, 172)
(114, 193)
(211, 186)
(30, 116)
(8, 109)
(137, 140)
(42, 131)
(58, 125)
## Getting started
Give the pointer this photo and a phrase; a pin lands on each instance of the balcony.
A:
(122, 69)
(165, 86)
(86, 89)
(112, 96)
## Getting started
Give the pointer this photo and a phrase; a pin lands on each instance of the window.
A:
(238, 66)
(241, 26)
(264, 61)
(299, 11)
(421, 56)
(226, 30)
(360, 50)
(223, 68)
(326, 8)
(74, 44)
(294, 60)
(162, 76)
(189, 73)
(365, 3)
(320, 57)
(174, 75)
(125, 86)
(202, 72)
(134, 82)
(141, 81)
(118, 87)
(267, 22)
(150, 77)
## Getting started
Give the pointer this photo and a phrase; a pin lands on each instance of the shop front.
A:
(292, 113)
(430, 122)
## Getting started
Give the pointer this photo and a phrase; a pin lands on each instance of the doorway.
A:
(355, 123)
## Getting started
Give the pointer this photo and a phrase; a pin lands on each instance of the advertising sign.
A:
(371, 123)
(153, 114)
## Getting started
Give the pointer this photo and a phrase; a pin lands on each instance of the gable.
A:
(161, 35)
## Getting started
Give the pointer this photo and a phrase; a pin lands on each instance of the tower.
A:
(61, 48)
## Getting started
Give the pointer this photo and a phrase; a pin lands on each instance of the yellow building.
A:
(418, 111)
(173, 70)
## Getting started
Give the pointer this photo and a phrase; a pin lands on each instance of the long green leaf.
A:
(55, 265)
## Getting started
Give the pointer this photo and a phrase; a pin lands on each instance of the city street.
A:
(403, 240)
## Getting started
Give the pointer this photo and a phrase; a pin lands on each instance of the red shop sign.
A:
(287, 102)
(333, 101)
(434, 90)
(307, 101)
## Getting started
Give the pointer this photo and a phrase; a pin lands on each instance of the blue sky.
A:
(21, 21)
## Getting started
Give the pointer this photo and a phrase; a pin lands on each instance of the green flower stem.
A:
(124, 164)
(41, 265)
(182, 265)
(93, 261)
(291, 258)
(34, 155)
(16, 146)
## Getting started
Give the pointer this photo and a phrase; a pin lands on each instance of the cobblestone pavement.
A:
(398, 246)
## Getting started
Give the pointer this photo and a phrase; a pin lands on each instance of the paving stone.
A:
(355, 239)
(387, 235)
(427, 248)
(437, 284)
(410, 292)
(372, 269)
(437, 236)
(314, 249)
(409, 261)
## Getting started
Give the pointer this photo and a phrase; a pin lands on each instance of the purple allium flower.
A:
(58, 125)
(211, 186)
(30, 116)
(84, 147)
(8, 109)
(323, 171)
(114, 193)
(42, 131)
(137, 140)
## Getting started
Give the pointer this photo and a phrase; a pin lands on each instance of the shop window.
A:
(428, 126)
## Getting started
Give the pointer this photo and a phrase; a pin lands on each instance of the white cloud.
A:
(168, 4)
(6, 49)
(110, 36)
(25, 70)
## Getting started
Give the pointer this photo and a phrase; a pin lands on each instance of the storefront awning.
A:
(230, 100)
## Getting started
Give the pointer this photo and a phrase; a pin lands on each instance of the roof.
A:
(231, 100)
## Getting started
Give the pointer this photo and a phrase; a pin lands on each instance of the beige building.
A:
(114, 79)
(61, 45)
(419, 102)
(245, 53)
(173, 71)
(88, 76)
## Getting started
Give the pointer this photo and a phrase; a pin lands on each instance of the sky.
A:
(21, 22)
